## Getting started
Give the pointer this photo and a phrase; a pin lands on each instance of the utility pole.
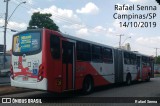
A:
(5, 30)
(120, 40)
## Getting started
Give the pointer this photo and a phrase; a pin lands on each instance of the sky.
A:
(88, 19)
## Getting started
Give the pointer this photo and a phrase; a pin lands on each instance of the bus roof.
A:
(83, 40)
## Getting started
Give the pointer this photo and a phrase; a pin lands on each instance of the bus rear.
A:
(26, 63)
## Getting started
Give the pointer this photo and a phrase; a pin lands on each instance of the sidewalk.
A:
(8, 89)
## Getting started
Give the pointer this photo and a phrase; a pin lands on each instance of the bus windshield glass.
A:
(26, 42)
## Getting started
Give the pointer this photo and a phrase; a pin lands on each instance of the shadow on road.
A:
(79, 93)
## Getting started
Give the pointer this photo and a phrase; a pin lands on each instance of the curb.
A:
(5, 84)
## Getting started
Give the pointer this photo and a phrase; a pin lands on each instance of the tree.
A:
(157, 59)
(39, 20)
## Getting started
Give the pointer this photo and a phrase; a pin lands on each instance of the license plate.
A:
(25, 78)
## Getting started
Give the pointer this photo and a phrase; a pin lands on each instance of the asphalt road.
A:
(143, 89)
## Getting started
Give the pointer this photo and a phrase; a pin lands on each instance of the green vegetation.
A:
(157, 60)
(156, 75)
(39, 20)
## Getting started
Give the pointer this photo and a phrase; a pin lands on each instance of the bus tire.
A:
(128, 79)
(88, 85)
(148, 78)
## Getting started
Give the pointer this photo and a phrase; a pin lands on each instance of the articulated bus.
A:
(55, 62)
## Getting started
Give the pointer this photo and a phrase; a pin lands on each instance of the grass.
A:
(156, 75)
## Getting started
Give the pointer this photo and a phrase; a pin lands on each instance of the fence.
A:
(7, 61)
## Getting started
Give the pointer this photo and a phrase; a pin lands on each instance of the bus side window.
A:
(55, 46)
(144, 60)
(107, 55)
(126, 58)
(133, 59)
(96, 53)
(83, 51)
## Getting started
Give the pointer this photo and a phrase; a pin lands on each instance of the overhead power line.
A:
(1, 15)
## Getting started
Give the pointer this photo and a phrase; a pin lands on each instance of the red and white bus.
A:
(49, 60)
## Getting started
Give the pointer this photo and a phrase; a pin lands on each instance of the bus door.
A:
(68, 63)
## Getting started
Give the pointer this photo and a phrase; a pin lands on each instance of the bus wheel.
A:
(87, 85)
(148, 78)
(128, 80)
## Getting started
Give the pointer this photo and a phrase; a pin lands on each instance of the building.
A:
(126, 47)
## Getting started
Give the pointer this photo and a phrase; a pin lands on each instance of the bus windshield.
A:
(26, 42)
